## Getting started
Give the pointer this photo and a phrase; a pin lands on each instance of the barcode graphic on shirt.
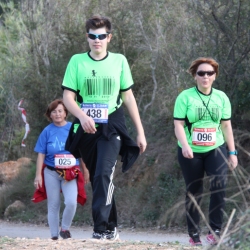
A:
(200, 113)
(99, 86)
(203, 114)
(215, 114)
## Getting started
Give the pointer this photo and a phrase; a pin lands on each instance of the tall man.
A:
(96, 84)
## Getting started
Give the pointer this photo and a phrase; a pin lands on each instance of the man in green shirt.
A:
(96, 84)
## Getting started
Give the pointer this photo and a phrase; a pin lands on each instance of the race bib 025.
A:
(64, 161)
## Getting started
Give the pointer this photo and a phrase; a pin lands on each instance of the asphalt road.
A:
(30, 231)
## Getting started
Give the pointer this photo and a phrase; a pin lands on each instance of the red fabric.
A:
(81, 196)
(71, 174)
(40, 193)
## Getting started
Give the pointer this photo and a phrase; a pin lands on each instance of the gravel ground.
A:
(25, 236)
(89, 244)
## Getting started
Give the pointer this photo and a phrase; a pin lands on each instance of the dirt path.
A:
(29, 236)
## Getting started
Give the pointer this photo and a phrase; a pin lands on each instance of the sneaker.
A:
(54, 238)
(195, 240)
(99, 235)
(65, 234)
(211, 239)
(112, 235)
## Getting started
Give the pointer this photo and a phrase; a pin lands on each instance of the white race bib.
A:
(64, 161)
(204, 136)
(99, 112)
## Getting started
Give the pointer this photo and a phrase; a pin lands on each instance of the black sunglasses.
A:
(100, 37)
(203, 73)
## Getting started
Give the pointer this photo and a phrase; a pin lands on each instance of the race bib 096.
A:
(204, 136)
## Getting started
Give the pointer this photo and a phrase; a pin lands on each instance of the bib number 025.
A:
(98, 112)
(204, 136)
(64, 161)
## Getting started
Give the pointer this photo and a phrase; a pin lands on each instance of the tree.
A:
(224, 31)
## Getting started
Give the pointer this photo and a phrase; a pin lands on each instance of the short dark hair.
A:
(52, 106)
(197, 62)
(98, 21)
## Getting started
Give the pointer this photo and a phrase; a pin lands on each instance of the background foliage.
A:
(160, 39)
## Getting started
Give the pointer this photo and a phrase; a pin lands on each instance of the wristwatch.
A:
(235, 152)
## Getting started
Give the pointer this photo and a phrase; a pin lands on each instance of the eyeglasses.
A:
(203, 73)
(100, 37)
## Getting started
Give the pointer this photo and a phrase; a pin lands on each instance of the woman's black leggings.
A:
(214, 164)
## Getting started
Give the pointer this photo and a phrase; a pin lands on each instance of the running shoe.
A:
(112, 235)
(211, 239)
(99, 235)
(195, 240)
(65, 234)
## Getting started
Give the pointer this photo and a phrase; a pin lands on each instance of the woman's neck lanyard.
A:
(205, 105)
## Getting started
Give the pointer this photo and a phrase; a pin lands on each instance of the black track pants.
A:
(214, 165)
(103, 204)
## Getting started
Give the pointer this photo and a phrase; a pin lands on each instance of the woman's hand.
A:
(187, 152)
(84, 170)
(86, 175)
(38, 182)
(233, 161)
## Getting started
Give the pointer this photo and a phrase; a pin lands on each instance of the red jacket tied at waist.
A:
(40, 193)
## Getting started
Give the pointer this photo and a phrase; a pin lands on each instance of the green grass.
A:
(6, 241)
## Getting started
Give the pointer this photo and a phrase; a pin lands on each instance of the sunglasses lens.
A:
(210, 73)
(203, 73)
(91, 36)
(100, 37)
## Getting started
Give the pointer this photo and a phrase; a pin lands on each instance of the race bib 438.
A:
(99, 112)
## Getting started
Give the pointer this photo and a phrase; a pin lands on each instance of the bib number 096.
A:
(204, 136)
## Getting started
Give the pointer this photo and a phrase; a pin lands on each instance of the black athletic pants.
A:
(103, 203)
(214, 165)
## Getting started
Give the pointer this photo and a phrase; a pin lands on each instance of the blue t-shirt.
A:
(52, 141)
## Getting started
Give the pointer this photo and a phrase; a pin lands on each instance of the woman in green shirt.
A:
(205, 139)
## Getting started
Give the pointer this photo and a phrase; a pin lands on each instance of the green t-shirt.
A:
(202, 115)
(98, 81)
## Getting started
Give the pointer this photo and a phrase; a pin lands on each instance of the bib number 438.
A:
(94, 113)
(98, 112)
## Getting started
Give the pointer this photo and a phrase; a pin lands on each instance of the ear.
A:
(109, 38)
